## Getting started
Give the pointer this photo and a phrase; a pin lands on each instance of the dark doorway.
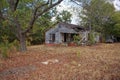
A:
(68, 37)
(65, 37)
(53, 37)
(118, 39)
(72, 37)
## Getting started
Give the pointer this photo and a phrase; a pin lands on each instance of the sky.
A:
(117, 4)
(66, 5)
(72, 8)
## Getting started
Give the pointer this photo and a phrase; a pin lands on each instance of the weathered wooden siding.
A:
(47, 35)
(59, 31)
(58, 38)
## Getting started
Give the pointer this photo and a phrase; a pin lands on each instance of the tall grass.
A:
(6, 48)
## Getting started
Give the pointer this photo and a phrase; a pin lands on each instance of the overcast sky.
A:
(69, 6)
(117, 4)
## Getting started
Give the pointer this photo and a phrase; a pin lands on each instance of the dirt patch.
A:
(17, 71)
(98, 62)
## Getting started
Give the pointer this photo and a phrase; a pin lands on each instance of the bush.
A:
(78, 54)
(15, 44)
(5, 47)
(77, 39)
(4, 52)
(91, 38)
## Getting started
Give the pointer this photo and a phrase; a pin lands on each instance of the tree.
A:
(22, 14)
(44, 23)
(116, 24)
(64, 16)
(96, 14)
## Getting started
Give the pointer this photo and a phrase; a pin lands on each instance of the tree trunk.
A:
(22, 39)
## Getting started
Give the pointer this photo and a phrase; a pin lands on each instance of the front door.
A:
(65, 37)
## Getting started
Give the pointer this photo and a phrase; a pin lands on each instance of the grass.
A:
(98, 62)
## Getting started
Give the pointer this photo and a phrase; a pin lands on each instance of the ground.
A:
(97, 62)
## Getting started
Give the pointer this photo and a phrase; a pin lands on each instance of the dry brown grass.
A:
(98, 62)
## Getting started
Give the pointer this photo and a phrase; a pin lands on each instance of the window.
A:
(52, 37)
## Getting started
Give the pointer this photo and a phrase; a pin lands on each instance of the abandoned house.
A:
(64, 33)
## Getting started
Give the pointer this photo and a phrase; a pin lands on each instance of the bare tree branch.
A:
(40, 6)
(50, 2)
(81, 3)
(16, 4)
(13, 4)
(76, 2)
(35, 15)
(46, 9)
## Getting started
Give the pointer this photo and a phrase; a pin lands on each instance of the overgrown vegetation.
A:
(96, 15)
(28, 20)
(97, 62)
(91, 38)
(7, 48)
(100, 16)
(77, 39)
(21, 16)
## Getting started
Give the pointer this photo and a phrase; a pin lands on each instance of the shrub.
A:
(15, 44)
(5, 47)
(77, 39)
(91, 38)
(78, 54)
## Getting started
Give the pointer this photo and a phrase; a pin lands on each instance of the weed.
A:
(16, 45)
(91, 38)
(78, 54)
(4, 47)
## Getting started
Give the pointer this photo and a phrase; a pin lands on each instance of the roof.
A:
(71, 26)
(66, 28)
